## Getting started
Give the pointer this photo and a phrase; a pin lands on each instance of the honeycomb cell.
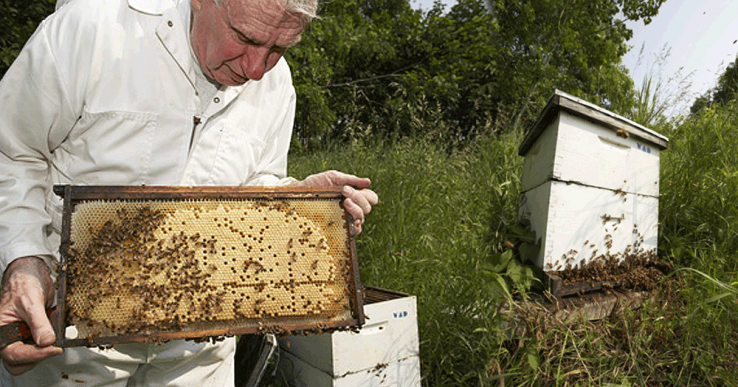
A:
(137, 266)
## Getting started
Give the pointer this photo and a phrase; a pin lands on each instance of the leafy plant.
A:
(19, 19)
(512, 269)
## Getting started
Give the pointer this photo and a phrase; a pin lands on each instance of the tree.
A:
(19, 19)
(382, 69)
(723, 92)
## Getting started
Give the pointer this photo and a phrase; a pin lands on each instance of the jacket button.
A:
(216, 100)
(170, 24)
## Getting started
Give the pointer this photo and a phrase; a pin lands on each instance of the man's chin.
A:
(233, 82)
(231, 79)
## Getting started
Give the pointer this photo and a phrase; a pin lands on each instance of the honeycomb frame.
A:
(203, 262)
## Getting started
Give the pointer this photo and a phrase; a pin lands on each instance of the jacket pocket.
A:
(237, 157)
(108, 148)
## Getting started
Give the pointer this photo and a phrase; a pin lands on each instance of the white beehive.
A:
(384, 352)
(590, 183)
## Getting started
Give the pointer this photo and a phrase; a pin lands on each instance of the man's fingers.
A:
(44, 336)
(16, 370)
(40, 325)
(19, 357)
(358, 182)
(356, 213)
(370, 196)
(335, 178)
(363, 199)
(27, 287)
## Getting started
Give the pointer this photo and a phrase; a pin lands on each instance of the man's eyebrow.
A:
(247, 38)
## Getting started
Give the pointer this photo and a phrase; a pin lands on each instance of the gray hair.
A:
(306, 9)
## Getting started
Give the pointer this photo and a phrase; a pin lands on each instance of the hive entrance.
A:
(154, 269)
(635, 268)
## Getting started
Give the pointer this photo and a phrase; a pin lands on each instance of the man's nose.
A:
(254, 62)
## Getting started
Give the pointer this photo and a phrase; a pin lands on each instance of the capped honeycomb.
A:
(140, 266)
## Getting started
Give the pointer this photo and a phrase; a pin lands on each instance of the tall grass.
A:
(440, 217)
(444, 214)
(699, 194)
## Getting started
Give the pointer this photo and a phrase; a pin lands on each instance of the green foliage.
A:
(513, 269)
(441, 219)
(699, 188)
(443, 230)
(378, 68)
(723, 92)
(19, 19)
(661, 100)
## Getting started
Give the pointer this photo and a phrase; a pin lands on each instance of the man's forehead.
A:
(255, 18)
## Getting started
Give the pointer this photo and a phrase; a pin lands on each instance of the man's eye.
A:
(243, 38)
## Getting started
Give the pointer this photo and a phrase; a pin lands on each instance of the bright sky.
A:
(700, 34)
(428, 4)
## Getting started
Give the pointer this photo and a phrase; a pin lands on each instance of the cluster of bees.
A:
(634, 268)
(139, 267)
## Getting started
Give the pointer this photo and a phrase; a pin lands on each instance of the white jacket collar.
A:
(153, 7)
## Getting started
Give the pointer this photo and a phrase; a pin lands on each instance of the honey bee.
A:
(623, 133)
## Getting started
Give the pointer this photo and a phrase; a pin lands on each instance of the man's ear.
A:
(196, 4)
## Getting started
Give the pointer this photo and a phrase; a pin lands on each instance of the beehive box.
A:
(161, 263)
(384, 352)
(590, 183)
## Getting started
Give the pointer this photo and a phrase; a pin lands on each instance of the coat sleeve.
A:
(35, 115)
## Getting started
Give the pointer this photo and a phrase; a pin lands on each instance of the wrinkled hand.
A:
(27, 290)
(359, 199)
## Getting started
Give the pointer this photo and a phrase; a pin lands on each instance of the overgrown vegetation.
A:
(378, 68)
(19, 19)
(723, 92)
(444, 217)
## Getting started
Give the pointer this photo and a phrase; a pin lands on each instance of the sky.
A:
(700, 36)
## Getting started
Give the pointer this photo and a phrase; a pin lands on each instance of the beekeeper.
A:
(139, 92)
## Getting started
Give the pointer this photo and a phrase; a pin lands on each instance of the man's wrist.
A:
(28, 263)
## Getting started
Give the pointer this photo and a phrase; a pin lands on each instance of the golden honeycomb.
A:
(141, 266)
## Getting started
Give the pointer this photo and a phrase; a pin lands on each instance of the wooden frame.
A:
(73, 195)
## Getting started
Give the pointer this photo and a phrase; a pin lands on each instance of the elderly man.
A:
(133, 92)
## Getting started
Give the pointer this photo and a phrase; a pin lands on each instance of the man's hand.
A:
(27, 290)
(359, 199)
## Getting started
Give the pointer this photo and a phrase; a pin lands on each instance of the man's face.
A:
(241, 39)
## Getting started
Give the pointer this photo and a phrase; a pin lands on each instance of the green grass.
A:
(441, 221)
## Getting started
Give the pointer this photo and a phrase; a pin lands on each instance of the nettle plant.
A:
(512, 270)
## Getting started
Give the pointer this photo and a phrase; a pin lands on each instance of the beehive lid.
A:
(561, 101)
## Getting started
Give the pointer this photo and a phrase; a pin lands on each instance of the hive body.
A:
(590, 184)
(384, 352)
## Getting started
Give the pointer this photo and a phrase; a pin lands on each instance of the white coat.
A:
(104, 93)
(106, 96)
